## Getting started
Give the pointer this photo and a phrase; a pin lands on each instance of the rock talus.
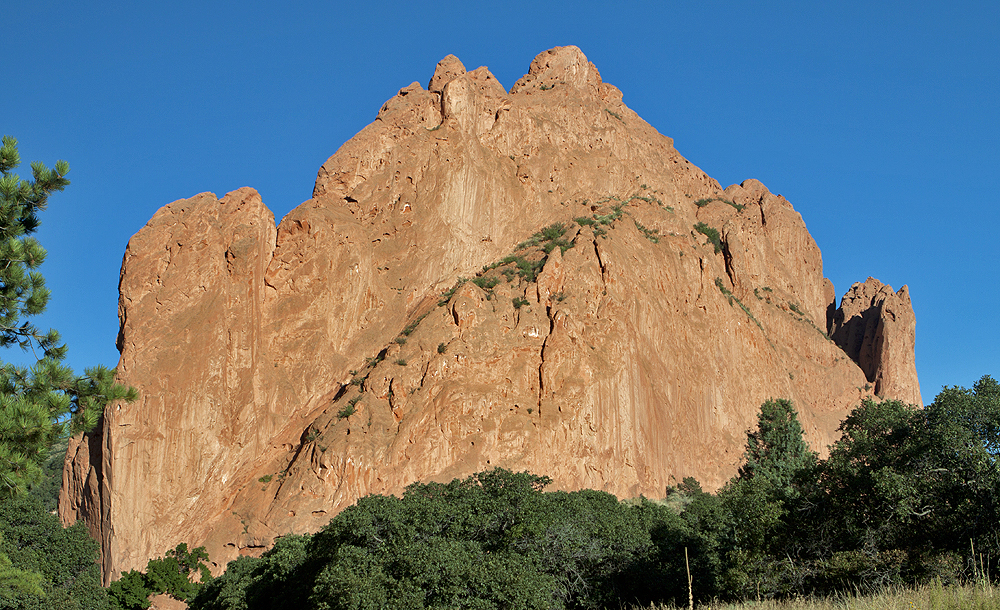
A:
(534, 279)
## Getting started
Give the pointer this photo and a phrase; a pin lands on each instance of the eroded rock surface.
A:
(287, 371)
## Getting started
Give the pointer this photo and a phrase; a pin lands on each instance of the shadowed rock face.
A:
(286, 371)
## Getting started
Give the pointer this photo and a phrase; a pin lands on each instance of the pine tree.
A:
(41, 403)
(776, 451)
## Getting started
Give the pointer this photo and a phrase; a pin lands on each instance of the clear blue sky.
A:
(879, 121)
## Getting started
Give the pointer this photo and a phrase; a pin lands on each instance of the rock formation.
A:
(877, 329)
(533, 279)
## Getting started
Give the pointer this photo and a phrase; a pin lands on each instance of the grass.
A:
(548, 238)
(933, 596)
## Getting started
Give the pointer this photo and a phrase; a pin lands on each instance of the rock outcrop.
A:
(623, 319)
(877, 329)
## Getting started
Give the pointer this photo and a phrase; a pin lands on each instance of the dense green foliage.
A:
(493, 540)
(173, 574)
(61, 561)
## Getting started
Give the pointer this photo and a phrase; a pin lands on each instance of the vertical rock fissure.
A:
(541, 358)
(727, 259)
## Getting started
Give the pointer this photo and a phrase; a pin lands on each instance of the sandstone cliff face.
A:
(287, 371)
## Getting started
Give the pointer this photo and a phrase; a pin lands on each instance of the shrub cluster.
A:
(43, 565)
(171, 574)
(712, 234)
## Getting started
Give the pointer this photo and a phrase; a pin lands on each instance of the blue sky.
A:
(878, 121)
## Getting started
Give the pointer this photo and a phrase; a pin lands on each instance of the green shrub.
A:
(349, 409)
(486, 283)
(712, 235)
(492, 540)
(130, 592)
(703, 202)
(548, 239)
(442, 348)
(35, 543)
(651, 234)
(519, 302)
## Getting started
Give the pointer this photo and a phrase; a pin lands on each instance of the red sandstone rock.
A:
(287, 371)
(877, 329)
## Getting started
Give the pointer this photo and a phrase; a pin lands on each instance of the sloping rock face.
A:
(622, 320)
(877, 329)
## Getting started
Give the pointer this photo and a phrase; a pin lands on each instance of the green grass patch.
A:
(548, 239)
(350, 408)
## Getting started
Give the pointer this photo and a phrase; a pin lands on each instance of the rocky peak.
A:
(446, 71)
(534, 279)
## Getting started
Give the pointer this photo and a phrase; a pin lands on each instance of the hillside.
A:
(625, 317)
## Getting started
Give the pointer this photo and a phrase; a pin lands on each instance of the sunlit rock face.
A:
(286, 371)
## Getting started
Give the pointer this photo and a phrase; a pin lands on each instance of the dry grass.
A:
(930, 597)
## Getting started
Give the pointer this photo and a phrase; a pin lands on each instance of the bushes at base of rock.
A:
(907, 496)
(171, 575)
(62, 562)
(492, 540)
